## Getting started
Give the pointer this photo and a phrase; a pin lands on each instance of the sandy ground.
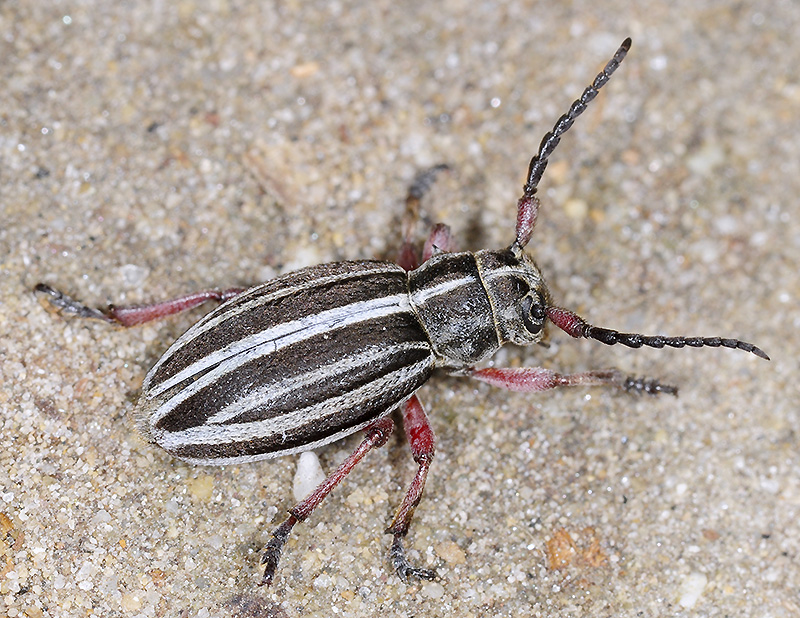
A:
(151, 149)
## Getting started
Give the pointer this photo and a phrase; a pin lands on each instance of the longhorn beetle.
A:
(320, 353)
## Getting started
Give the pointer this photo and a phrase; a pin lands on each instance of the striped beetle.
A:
(323, 352)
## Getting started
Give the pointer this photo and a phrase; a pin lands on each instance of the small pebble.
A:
(308, 475)
(691, 589)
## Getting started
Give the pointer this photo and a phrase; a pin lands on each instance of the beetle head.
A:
(518, 294)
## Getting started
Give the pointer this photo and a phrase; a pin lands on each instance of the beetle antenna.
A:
(576, 326)
(528, 205)
(551, 139)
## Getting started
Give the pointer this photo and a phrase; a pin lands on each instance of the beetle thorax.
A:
(470, 304)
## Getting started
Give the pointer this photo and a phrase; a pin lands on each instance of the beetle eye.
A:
(533, 314)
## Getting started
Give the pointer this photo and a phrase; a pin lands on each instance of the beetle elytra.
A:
(323, 352)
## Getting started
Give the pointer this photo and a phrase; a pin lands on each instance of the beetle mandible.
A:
(320, 353)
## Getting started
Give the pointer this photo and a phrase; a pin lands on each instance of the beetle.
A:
(323, 352)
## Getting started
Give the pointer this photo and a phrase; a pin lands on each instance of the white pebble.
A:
(309, 474)
(691, 589)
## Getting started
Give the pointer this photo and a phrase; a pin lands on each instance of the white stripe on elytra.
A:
(215, 318)
(287, 424)
(263, 396)
(268, 341)
(240, 459)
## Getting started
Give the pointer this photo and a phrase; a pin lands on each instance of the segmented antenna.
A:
(576, 326)
(551, 139)
(528, 204)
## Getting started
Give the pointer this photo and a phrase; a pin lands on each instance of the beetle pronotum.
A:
(323, 352)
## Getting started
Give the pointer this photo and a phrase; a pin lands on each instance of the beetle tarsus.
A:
(66, 305)
(649, 386)
(424, 181)
(627, 383)
(403, 567)
(272, 550)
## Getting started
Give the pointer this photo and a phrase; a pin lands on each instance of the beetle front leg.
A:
(377, 435)
(439, 241)
(535, 379)
(133, 314)
(422, 442)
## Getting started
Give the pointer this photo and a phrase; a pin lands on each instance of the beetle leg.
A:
(439, 241)
(422, 441)
(534, 379)
(133, 314)
(408, 258)
(377, 435)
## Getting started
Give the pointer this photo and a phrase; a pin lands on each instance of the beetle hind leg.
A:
(376, 436)
(422, 442)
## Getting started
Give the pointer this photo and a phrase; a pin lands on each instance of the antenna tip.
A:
(626, 44)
